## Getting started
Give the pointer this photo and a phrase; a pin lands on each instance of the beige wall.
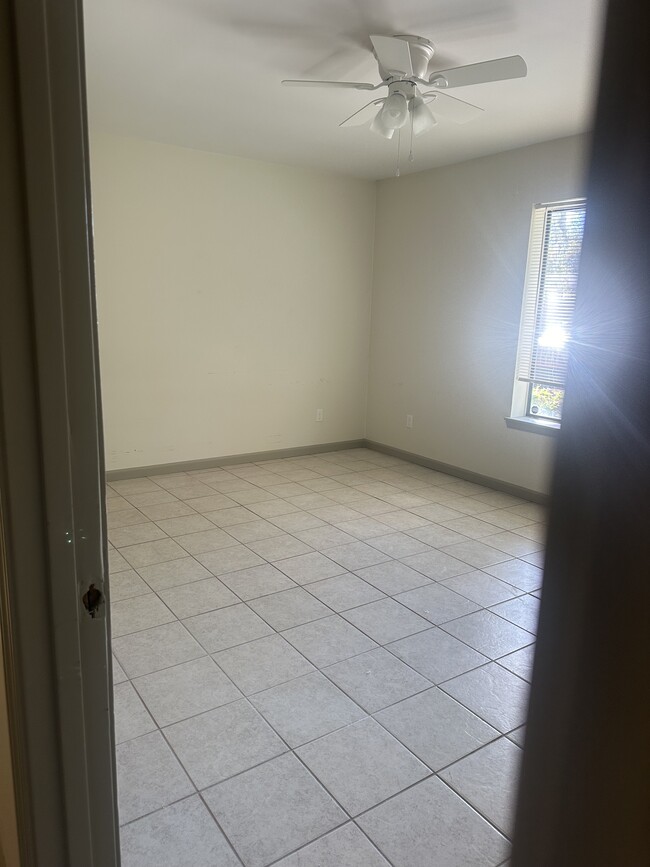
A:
(450, 257)
(234, 301)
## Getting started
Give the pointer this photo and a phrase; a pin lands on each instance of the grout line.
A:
(221, 828)
(476, 810)
(277, 860)
(444, 782)
(516, 591)
(289, 751)
(429, 685)
(158, 809)
(340, 614)
(200, 791)
(385, 646)
(195, 794)
(372, 842)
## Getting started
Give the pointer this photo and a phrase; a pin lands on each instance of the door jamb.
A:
(51, 453)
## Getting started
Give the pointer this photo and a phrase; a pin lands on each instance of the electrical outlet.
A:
(409, 421)
(319, 415)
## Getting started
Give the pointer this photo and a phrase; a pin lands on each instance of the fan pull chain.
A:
(411, 157)
(399, 142)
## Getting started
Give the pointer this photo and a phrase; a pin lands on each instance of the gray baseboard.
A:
(210, 463)
(276, 454)
(459, 472)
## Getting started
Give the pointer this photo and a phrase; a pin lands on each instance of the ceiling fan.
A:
(403, 65)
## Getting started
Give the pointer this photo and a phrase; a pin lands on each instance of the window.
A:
(547, 313)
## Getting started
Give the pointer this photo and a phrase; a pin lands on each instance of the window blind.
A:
(549, 292)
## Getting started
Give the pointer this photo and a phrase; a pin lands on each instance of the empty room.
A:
(336, 250)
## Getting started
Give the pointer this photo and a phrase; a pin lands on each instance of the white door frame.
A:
(52, 528)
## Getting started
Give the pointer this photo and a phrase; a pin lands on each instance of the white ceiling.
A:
(206, 74)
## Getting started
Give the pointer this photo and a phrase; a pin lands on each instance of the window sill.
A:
(534, 425)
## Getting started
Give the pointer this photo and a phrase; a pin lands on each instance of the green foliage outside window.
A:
(546, 401)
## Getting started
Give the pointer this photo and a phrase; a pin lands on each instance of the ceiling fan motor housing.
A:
(407, 88)
(421, 53)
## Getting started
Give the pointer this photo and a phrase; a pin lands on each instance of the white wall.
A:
(450, 255)
(234, 300)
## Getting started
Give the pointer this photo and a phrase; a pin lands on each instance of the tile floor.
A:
(320, 662)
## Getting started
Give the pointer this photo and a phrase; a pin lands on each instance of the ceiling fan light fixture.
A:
(423, 119)
(380, 127)
(395, 111)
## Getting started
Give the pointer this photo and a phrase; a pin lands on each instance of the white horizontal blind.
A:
(549, 294)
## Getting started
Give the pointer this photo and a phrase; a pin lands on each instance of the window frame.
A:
(534, 274)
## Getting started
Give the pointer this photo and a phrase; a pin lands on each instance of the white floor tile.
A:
(308, 589)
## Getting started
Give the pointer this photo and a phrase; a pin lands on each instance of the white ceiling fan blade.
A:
(393, 54)
(480, 73)
(453, 108)
(362, 115)
(350, 85)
